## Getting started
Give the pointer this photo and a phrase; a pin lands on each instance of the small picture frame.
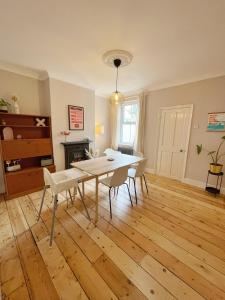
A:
(76, 117)
(216, 122)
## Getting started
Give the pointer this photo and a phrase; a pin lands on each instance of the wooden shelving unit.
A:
(35, 144)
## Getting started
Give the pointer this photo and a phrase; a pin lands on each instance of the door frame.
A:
(191, 107)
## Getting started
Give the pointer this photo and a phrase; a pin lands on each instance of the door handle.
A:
(181, 150)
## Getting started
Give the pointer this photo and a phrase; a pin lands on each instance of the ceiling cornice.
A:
(24, 71)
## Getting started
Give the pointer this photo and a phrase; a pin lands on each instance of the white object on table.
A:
(101, 166)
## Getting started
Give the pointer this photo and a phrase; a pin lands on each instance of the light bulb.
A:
(116, 97)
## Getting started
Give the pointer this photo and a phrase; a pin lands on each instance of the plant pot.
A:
(4, 108)
(216, 168)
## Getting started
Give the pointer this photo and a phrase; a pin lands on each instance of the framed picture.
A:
(76, 117)
(216, 121)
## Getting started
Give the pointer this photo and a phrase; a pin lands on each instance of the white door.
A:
(175, 123)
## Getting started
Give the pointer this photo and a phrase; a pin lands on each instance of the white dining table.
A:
(100, 166)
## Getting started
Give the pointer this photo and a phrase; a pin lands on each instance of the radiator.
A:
(126, 150)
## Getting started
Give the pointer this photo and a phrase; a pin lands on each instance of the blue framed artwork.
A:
(216, 121)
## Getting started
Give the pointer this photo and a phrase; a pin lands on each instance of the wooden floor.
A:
(170, 246)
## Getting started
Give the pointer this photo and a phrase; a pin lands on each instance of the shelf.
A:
(28, 170)
(24, 126)
(212, 190)
(15, 140)
(23, 115)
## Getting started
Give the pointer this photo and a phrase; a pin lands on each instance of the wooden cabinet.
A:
(25, 148)
(30, 179)
(33, 144)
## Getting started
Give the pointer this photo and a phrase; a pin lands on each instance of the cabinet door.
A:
(15, 149)
(24, 181)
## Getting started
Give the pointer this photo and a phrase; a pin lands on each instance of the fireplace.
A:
(75, 151)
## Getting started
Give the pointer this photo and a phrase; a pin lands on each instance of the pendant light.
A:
(117, 96)
(115, 59)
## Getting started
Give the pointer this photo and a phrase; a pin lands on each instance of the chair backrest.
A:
(47, 177)
(111, 152)
(139, 154)
(141, 168)
(119, 176)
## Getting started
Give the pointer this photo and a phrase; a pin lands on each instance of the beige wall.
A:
(63, 94)
(102, 116)
(25, 88)
(206, 96)
(44, 91)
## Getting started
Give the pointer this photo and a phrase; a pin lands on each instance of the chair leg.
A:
(135, 190)
(53, 219)
(42, 201)
(114, 191)
(82, 199)
(110, 206)
(129, 193)
(71, 199)
(145, 183)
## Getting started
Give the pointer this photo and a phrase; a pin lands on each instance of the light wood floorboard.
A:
(169, 246)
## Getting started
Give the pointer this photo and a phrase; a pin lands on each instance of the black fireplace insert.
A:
(75, 151)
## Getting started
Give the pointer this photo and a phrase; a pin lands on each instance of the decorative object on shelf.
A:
(8, 133)
(4, 105)
(13, 165)
(3, 122)
(216, 155)
(16, 105)
(116, 59)
(66, 133)
(76, 117)
(40, 122)
(216, 121)
(19, 136)
(46, 161)
(214, 189)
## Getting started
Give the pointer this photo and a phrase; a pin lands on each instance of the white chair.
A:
(139, 154)
(118, 178)
(59, 182)
(111, 152)
(138, 171)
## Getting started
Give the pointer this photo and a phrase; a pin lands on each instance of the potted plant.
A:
(216, 155)
(3, 105)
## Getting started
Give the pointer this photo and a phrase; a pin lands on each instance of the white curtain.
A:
(139, 141)
(114, 124)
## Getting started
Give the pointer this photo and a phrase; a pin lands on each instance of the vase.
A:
(16, 108)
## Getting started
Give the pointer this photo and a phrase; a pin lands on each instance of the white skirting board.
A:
(200, 184)
(190, 181)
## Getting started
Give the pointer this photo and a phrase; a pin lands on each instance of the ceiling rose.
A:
(110, 56)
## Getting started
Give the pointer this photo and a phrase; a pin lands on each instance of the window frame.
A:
(122, 121)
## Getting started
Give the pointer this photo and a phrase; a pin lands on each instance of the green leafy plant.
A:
(3, 102)
(215, 155)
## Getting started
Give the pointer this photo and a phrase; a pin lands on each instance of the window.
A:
(128, 122)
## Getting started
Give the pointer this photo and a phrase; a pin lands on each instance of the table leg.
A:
(96, 199)
(83, 191)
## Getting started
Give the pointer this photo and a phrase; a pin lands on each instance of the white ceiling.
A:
(172, 41)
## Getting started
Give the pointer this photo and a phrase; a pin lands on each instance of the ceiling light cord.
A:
(116, 78)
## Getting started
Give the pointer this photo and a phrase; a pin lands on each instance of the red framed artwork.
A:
(76, 117)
